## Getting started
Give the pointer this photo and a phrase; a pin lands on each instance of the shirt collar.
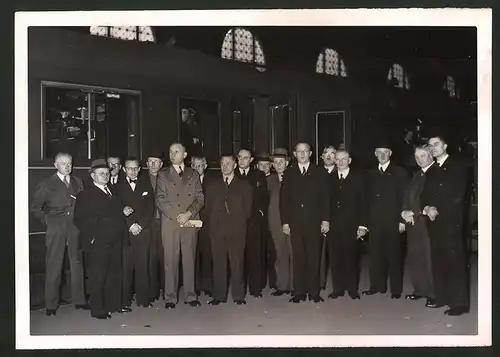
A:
(427, 167)
(113, 179)
(182, 166)
(442, 160)
(330, 169)
(61, 176)
(102, 187)
(245, 171)
(230, 178)
(384, 166)
(304, 165)
(345, 172)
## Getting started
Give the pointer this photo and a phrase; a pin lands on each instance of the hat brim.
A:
(279, 156)
(98, 167)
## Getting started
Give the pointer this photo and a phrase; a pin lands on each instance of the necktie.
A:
(381, 170)
(243, 173)
(180, 171)
(341, 177)
(66, 181)
(108, 192)
(227, 181)
(303, 170)
(280, 177)
(422, 173)
(226, 193)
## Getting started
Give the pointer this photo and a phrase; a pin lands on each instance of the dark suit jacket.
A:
(305, 200)
(121, 178)
(273, 212)
(385, 194)
(258, 182)
(411, 198)
(348, 201)
(53, 199)
(99, 217)
(239, 203)
(208, 178)
(142, 200)
(445, 189)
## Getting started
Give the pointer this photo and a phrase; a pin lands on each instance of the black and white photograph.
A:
(253, 178)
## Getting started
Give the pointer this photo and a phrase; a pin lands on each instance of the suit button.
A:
(178, 205)
(177, 194)
(67, 213)
(440, 184)
(302, 206)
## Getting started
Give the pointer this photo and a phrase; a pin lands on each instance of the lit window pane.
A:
(146, 34)
(329, 62)
(99, 30)
(245, 48)
(450, 86)
(401, 77)
(125, 32)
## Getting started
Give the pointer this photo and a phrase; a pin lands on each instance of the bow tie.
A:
(133, 181)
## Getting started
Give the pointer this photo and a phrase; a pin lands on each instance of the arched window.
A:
(241, 45)
(450, 86)
(398, 76)
(329, 62)
(133, 33)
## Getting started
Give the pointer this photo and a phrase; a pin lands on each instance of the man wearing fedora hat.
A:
(282, 243)
(387, 184)
(100, 217)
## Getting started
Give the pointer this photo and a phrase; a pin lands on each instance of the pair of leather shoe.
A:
(50, 312)
(315, 298)
(240, 302)
(298, 298)
(279, 292)
(413, 297)
(256, 295)
(433, 304)
(457, 311)
(215, 302)
(193, 303)
(169, 305)
(124, 309)
(103, 316)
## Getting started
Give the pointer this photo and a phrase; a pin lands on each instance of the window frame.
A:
(87, 88)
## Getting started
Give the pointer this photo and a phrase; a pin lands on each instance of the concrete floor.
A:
(272, 315)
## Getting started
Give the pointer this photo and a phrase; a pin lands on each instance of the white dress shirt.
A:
(182, 167)
(62, 177)
(230, 178)
(441, 161)
(330, 169)
(103, 188)
(384, 166)
(344, 173)
(244, 172)
(301, 167)
(132, 184)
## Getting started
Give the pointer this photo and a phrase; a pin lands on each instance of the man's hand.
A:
(286, 229)
(135, 229)
(183, 218)
(408, 216)
(127, 211)
(325, 227)
(361, 232)
(431, 212)
(402, 227)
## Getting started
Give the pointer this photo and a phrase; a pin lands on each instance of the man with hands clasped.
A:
(138, 198)
(179, 196)
(305, 215)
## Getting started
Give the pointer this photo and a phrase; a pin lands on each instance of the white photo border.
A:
(479, 18)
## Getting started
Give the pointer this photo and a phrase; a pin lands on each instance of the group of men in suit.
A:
(139, 231)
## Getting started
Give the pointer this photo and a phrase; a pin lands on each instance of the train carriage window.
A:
(241, 45)
(398, 77)
(200, 128)
(329, 62)
(89, 123)
(134, 33)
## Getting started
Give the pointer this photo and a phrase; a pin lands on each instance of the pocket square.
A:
(145, 193)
